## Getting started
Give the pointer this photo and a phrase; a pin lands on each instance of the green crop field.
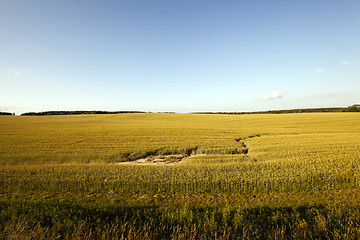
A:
(180, 176)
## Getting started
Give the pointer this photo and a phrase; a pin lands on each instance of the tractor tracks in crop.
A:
(242, 143)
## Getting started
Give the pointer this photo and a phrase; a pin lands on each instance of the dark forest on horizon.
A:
(352, 108)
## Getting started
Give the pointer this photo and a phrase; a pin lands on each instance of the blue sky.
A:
(180, 56)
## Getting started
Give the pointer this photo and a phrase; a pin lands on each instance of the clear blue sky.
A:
(180, 56)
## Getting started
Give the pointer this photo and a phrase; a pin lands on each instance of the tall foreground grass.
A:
(99, 218)
(299, 178)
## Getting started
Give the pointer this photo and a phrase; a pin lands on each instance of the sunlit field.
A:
(261, 176)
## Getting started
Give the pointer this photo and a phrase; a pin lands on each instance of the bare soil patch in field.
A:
(157, 160)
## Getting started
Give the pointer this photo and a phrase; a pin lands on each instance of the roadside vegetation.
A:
(268, 176)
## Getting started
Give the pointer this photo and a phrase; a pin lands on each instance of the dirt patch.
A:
(157, 160)
(169, 159)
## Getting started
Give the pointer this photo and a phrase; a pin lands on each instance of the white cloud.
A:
(345, 62)
(14, 72)
(273, 86)
(271, 96)
(318, 70)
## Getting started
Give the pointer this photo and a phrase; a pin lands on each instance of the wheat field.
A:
(261, 176)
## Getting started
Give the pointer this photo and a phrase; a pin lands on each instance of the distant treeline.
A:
(353, 108)
(5, 113)
(74, 113)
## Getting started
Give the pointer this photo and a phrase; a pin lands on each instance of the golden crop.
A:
(292, 160)
(116, 138)
(284, 148)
